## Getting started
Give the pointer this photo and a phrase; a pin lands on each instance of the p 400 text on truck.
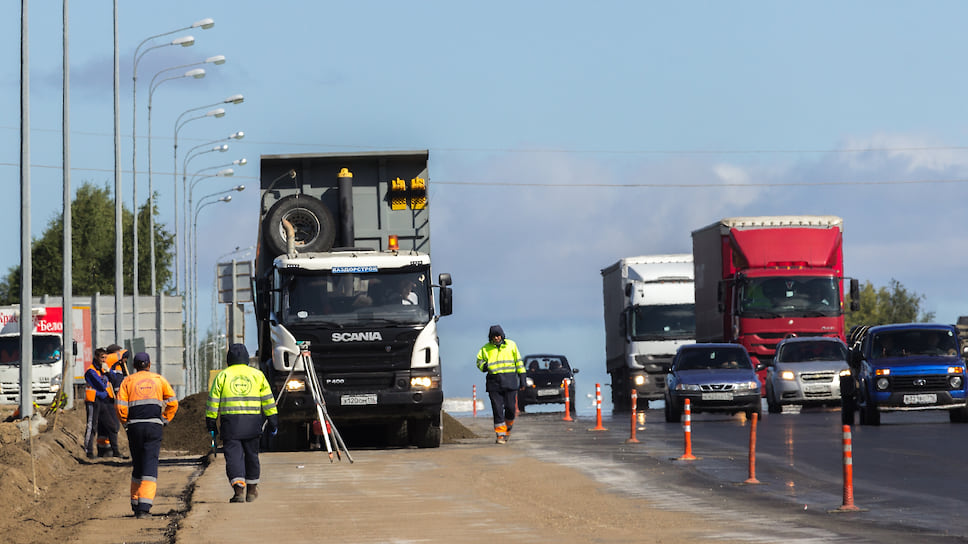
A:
(762, 279)
(363, 312)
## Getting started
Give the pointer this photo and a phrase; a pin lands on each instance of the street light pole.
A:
(197, 73)
(217, 113)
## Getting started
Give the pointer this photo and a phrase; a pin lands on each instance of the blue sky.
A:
(562, 135)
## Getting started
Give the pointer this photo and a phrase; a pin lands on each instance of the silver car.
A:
(805, 371)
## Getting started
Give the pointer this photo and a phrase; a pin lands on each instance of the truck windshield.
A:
(357, 298)
(789, 296)
(914, 343)
(46, 349)
(664, 322)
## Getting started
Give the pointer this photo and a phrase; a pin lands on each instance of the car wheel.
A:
(673, 414)
(958, 415)
(758, 410)
(772, 406)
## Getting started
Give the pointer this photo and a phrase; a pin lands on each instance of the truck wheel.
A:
(426, 432)
(621, 399)
(312, 220)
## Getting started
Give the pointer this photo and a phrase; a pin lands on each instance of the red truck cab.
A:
(759, 280)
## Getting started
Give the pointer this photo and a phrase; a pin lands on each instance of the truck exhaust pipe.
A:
(290, 238)
(347, 236)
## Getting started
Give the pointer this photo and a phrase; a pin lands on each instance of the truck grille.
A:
(920, 383)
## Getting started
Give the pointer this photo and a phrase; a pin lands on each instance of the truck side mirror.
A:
(446, 298)
(854, 295)
(444, 280)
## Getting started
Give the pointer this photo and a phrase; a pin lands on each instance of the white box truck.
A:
(649, 312)
(47, 359)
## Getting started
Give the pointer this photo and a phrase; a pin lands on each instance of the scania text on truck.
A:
(649, 313)
(47, 359)
(364, 311)
(762, 279)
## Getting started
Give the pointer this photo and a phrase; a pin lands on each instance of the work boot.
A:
(239, 493)
(141, 514)
(90, 455)
(501, 439)
(251, 492)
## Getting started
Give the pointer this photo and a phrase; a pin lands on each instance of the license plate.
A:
(717, 396)
(816, 388)
(357, 400)
(927, 398)
(547, 392)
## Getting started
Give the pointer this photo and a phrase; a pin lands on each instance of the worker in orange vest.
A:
(146, 403)
(97, 391)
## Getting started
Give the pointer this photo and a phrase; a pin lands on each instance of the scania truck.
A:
(47, 359)
(649, 313)
(762, 279)
(343, 267)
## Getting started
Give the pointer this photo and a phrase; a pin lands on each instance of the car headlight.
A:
(747, 386)
(954, 382)
(882, 384)
(687, 387)
(295, 385)
(787, 375)
(845, 372)
(529, 382)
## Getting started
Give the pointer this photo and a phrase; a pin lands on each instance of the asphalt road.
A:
(908, 473)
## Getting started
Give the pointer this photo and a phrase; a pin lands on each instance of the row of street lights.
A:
(186, 248)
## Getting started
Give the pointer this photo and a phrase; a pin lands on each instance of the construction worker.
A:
(501, 360)
(108, 424)
(146, 403)
(97, 390)
(241, 397)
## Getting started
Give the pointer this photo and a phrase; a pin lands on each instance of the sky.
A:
(563, 135)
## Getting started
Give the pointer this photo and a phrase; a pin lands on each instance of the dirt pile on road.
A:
(187, 433)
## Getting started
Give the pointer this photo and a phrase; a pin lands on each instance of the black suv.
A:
(546, 375)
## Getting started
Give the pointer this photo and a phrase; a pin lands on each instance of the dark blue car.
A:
(904, 367)
(715, 378)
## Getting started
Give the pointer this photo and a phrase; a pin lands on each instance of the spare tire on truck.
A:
(313, 222)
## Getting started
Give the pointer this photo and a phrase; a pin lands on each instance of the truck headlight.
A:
(424, 382)
(882, 384)
(639, 379)
(295, 385)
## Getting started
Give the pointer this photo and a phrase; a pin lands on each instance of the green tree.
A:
(891, 304)
(92, 236)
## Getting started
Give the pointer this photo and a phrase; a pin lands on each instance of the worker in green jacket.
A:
(501, 360)
(241, 398)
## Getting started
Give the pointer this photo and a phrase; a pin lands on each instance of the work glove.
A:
(210, 425)
(484, 367)
(524, 382)
(101, 395)
(272, 425)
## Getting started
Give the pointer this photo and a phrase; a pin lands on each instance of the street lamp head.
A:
(218, 112)
(217, 59)
(239, 188)
(184, 41)
(226, 198)
(204, 23)
(197, 73)
(234, 99)
(228, 172)
(240, 162)
(222, 148)
(237, 135)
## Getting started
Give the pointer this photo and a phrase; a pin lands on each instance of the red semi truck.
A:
(759, 280)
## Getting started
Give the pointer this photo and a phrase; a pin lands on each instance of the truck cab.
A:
(47, 363)
(904, 367)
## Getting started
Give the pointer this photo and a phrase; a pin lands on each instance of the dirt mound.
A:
(187, 433)
(454, 430)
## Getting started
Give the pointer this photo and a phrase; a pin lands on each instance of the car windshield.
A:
(664, 322)
(911, 343)
(712, 359)
(546, 363)
(359, 297)
(801, 352)
(789, 296)
(46, 349)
